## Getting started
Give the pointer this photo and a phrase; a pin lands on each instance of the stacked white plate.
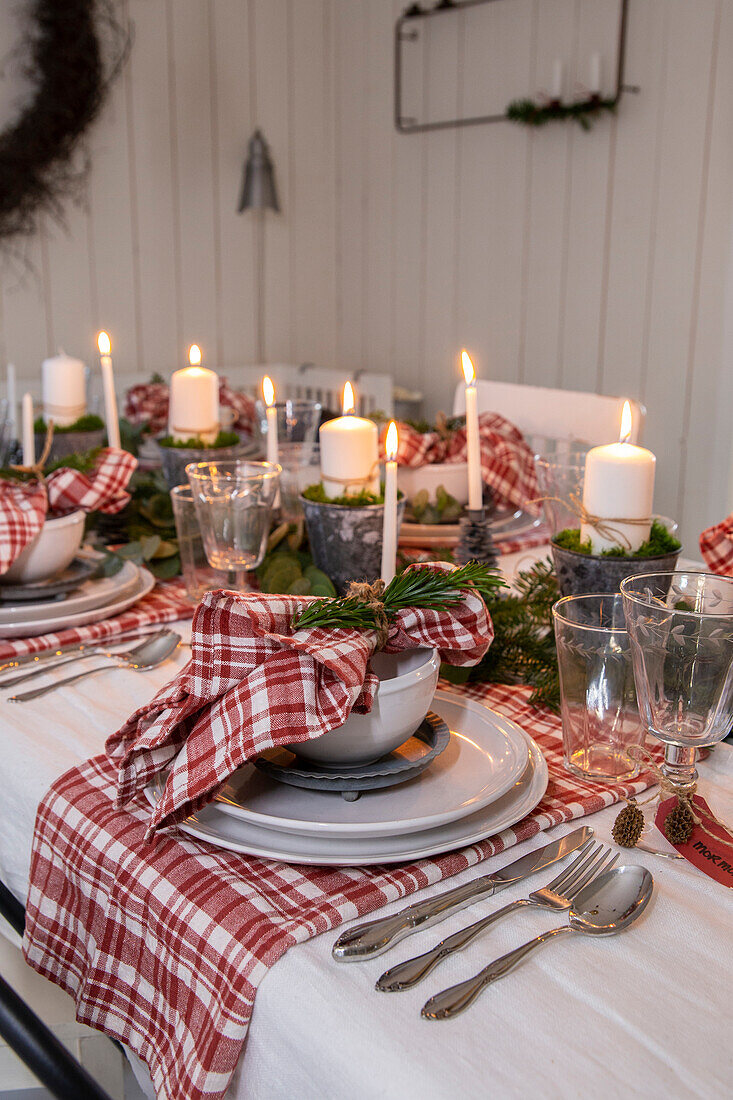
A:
(505, 523)
(491, 775)
(95, 599)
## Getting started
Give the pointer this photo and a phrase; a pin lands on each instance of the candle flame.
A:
(391, 442)
(268, 390)
(194, 355)
(349, 404)
(625, 435)
(104, 344)
(468, 372)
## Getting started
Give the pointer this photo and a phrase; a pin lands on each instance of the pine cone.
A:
(476, 542)
(628, 826)
(679, 823)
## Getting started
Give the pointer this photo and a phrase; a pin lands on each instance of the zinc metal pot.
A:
(346, 541)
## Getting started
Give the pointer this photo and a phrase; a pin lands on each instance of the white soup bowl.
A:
(453, 476)
(50, 552)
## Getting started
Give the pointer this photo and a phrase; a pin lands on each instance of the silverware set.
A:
(602, 899)
(151, 651)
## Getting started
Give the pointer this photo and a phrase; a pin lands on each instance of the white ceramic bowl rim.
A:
(66, 520)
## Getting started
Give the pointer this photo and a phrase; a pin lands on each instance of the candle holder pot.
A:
(581, 574)
(346, 540)
(174, 460)
(70, 443)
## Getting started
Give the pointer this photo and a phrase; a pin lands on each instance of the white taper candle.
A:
(475, 482)
(108, 386)
(29, 442)
(389, 523)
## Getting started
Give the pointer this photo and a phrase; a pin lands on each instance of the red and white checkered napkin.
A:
(147, 403)
(163, 945)
(166, 603)
(253, 683)
(507, 463)
(716, 547)
(22, 514)
(24, 505)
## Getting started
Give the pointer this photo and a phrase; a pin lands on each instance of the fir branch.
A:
(530, 113)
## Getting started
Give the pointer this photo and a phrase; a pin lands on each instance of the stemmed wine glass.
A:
(681, 633)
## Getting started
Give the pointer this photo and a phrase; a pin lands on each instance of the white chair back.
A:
(549, 417)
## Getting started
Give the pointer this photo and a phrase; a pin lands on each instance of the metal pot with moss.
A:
(175, 455)
(345, 533)
(85, 434)
(580, 571)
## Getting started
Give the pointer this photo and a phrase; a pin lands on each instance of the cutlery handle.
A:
(451, 1002)
(407, 974)
(373, 937)
(44, 669)
(36, 693)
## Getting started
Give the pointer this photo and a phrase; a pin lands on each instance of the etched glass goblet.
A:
(681, 634)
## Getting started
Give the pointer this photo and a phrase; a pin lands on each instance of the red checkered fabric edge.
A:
(147, 404)
(716, 547)
(507, 463)
(252, 683)
(167, 957)
(22, 515)
(166, 603)
(102, 490)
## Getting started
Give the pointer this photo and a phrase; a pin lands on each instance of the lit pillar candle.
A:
(29, 442)
(63, 389)
(268, 392)
(193, 411)
(12, 396)
(389, 525)
(349, 452)
(475, 482)
(619, 484)
(108, 386)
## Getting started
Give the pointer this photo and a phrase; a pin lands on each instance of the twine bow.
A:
(370, 595)
(604, 525)
(36, 469)
(362, 482)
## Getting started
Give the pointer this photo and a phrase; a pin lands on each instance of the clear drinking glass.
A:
(560, 477)
(681, 630)
(600, 717)
(234, 502)
(198, 575)
(301, 467)
(297, 420)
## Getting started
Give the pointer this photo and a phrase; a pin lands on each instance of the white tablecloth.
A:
(643, 1014)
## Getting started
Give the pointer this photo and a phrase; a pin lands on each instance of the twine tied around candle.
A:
(370, 595)
(36, 469)
(684, 795)
(196, 433)
(602, 524)
(74, 411)
(362, 482)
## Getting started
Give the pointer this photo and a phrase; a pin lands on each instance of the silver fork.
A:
(557, 895)
(96, 651)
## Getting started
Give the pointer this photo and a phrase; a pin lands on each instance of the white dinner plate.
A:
(62, 620)
(225, 831)
(96, 592)
(486, 755)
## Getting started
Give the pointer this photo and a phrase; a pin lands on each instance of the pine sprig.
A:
(415, 587)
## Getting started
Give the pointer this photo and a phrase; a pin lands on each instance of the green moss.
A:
(90, 422)
(195, 443)
(355, 500)
(660, 542)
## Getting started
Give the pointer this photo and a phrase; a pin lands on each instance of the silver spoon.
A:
(153, 653)
(609, 904)
(121, 655)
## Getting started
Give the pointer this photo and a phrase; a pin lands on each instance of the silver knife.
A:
(70, 647)
(374, 937)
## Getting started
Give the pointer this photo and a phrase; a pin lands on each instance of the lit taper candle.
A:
(108, 386)
(389, 525)
(268, 392)
(29, 442)
(475, 483)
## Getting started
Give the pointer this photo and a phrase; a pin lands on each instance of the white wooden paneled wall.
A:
(596, 261)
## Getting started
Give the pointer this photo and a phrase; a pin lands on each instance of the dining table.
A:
(642, 1014)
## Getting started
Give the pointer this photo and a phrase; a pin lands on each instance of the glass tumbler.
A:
(199, 576)
(301, 467)
(559, 478)
(600, 717)
(297, 420)
(681, 630)
(234, 502)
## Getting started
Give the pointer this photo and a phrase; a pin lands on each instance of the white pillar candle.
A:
(349, 452)
(29, 442)
(619, 484)
(193, 410)
(557, 79)
(63, 389)
(389, 523)
(268, 392)
(12, 396)
(595, 74)
(108, 386)
(475, 481)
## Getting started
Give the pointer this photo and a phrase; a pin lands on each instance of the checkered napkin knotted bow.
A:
(507, 464)
(253, 683)
(716, 547)
(24, 505)
(147, 404)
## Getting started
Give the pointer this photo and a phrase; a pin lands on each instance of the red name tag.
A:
(713, 855)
